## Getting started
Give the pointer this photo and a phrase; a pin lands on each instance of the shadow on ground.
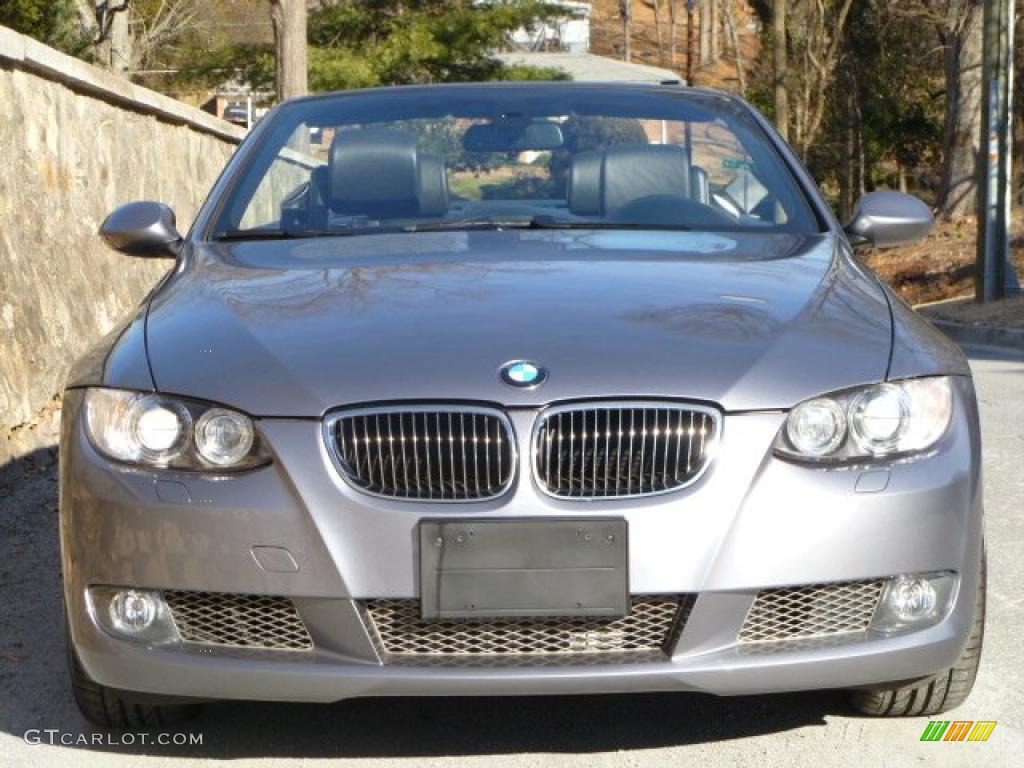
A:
(34, 693)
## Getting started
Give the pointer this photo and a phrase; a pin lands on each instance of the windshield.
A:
(504, 157)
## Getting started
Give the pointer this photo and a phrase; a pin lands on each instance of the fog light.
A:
(133, 614)
(132, 611)
(914, 601)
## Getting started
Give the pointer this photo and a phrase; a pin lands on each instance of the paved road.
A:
(657, 730)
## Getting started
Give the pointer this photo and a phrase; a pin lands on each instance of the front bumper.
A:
(752, 522)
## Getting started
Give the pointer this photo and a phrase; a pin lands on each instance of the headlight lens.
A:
(159, 431)
(223, 437)
(890, 419)
(878, 416)
(817, 427)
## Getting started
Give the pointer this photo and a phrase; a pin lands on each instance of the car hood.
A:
(296, 328)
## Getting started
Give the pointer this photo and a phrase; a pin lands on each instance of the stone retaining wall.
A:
(75, 142)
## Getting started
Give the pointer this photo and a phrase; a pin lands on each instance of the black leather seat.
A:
(603, 181)
(381, 173)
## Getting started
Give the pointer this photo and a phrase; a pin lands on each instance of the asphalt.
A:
(634, 730)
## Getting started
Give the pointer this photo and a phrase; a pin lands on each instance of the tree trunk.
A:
(781, 91)
(862, 163)
(657, 32)
(847, 176)
(113, 35)
(853, 178)
(1017, 174)
(86, 17)
(289, 20)
(689, 46)
(705, 33)
(730, 24)
(716, 28)
(964, 85)
(626, 9)
(672, 29)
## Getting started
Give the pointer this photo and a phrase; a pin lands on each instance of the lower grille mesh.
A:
(652, 626)
(243, 621)
(813, 611)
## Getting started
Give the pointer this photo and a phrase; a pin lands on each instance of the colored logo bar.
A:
(958, 730)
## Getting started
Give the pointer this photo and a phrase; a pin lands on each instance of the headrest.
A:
(601, 181)
(374, 171)
(700, 184)
(433, 195)
(585, 183)
(635, 171)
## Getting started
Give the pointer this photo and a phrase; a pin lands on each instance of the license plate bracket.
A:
(517, 568)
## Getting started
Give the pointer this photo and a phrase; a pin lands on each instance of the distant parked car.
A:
(237, 115)
(409, 416)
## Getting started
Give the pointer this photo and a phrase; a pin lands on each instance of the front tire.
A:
(113, 708)
(940, 692)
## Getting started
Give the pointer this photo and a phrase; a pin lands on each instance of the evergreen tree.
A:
(360, 43)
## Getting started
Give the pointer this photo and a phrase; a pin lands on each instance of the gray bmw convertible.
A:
(519, 389)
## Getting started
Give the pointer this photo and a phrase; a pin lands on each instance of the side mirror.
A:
(142, 229)
(885, 219)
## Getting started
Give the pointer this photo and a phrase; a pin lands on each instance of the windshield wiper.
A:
(299, 234)
(254, 234)
(535, 222)
(550, 222)
(453, 225)
(463, 224)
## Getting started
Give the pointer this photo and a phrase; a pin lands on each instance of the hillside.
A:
(607, 39)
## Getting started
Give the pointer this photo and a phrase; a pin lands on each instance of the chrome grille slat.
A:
(476, 453)
(811, 611)
(616, 450)
(424, 453)
(451, 456)
(679, 445)
(500, 452)
(649, 631)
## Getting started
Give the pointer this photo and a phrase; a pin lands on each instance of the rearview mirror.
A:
(513, 136)
(142, 229)
(885, 219)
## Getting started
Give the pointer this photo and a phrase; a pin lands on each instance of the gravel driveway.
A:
(658, 730)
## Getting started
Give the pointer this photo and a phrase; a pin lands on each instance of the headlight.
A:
(891, 419)
(224, 437)
(158, 431)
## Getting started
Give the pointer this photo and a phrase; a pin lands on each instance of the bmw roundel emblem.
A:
(523, 374)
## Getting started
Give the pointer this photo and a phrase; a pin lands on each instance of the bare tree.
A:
(715, 26)
(706, 33)
(781, 61)
(853, 170)
(626, 11)
(116, 48)
(672, 20)
(289, 20)
(655, 5)
(817, 35)
(126, 34)
(729, 16)
(962, 35)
